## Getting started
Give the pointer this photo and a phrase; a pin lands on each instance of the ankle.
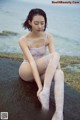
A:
(57, 116)
(59, 113)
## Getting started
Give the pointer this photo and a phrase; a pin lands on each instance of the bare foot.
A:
(44, 100)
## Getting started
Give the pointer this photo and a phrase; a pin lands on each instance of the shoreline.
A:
(69, 64)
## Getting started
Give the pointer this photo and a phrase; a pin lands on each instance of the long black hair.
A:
(30, 16)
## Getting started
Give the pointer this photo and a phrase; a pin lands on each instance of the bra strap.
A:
(45, 38)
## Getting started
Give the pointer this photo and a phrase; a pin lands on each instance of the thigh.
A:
(42, 63)
(25, 71)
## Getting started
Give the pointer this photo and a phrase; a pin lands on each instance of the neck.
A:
(37, 34)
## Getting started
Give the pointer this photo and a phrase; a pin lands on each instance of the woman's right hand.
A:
(38, 92)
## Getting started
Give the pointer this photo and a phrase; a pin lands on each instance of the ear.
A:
(29, 22)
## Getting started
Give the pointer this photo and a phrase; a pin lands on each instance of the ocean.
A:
(63, 24)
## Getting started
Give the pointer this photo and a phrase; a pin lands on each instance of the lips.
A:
(38, 30)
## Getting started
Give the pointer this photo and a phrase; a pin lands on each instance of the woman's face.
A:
(37, 23)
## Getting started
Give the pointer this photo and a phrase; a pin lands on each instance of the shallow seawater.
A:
(63, 24)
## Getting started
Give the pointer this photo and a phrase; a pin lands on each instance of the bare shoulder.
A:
(24, 38)
(50, 38)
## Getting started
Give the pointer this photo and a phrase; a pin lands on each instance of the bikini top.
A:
(38, 52)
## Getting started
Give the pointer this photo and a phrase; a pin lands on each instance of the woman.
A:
(39, 66)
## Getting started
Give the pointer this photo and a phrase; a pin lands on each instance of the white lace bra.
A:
(38, 52)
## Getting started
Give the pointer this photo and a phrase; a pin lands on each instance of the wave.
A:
(66, 38)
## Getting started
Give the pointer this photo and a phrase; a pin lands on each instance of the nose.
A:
(39, 26)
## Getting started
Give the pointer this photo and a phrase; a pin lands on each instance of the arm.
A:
(50, 44)
(51, 47)
(26, 52)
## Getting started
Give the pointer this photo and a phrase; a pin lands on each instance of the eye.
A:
(42, 23)
(36, 23)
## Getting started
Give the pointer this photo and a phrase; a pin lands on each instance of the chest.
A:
(35, 43)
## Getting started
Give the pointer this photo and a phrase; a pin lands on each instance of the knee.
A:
(59, 74)
(55, 54)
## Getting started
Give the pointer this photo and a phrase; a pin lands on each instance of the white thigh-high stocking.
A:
(59, 94)
(51, 68)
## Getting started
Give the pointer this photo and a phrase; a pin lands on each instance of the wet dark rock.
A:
(8, 33)
(19, 99)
